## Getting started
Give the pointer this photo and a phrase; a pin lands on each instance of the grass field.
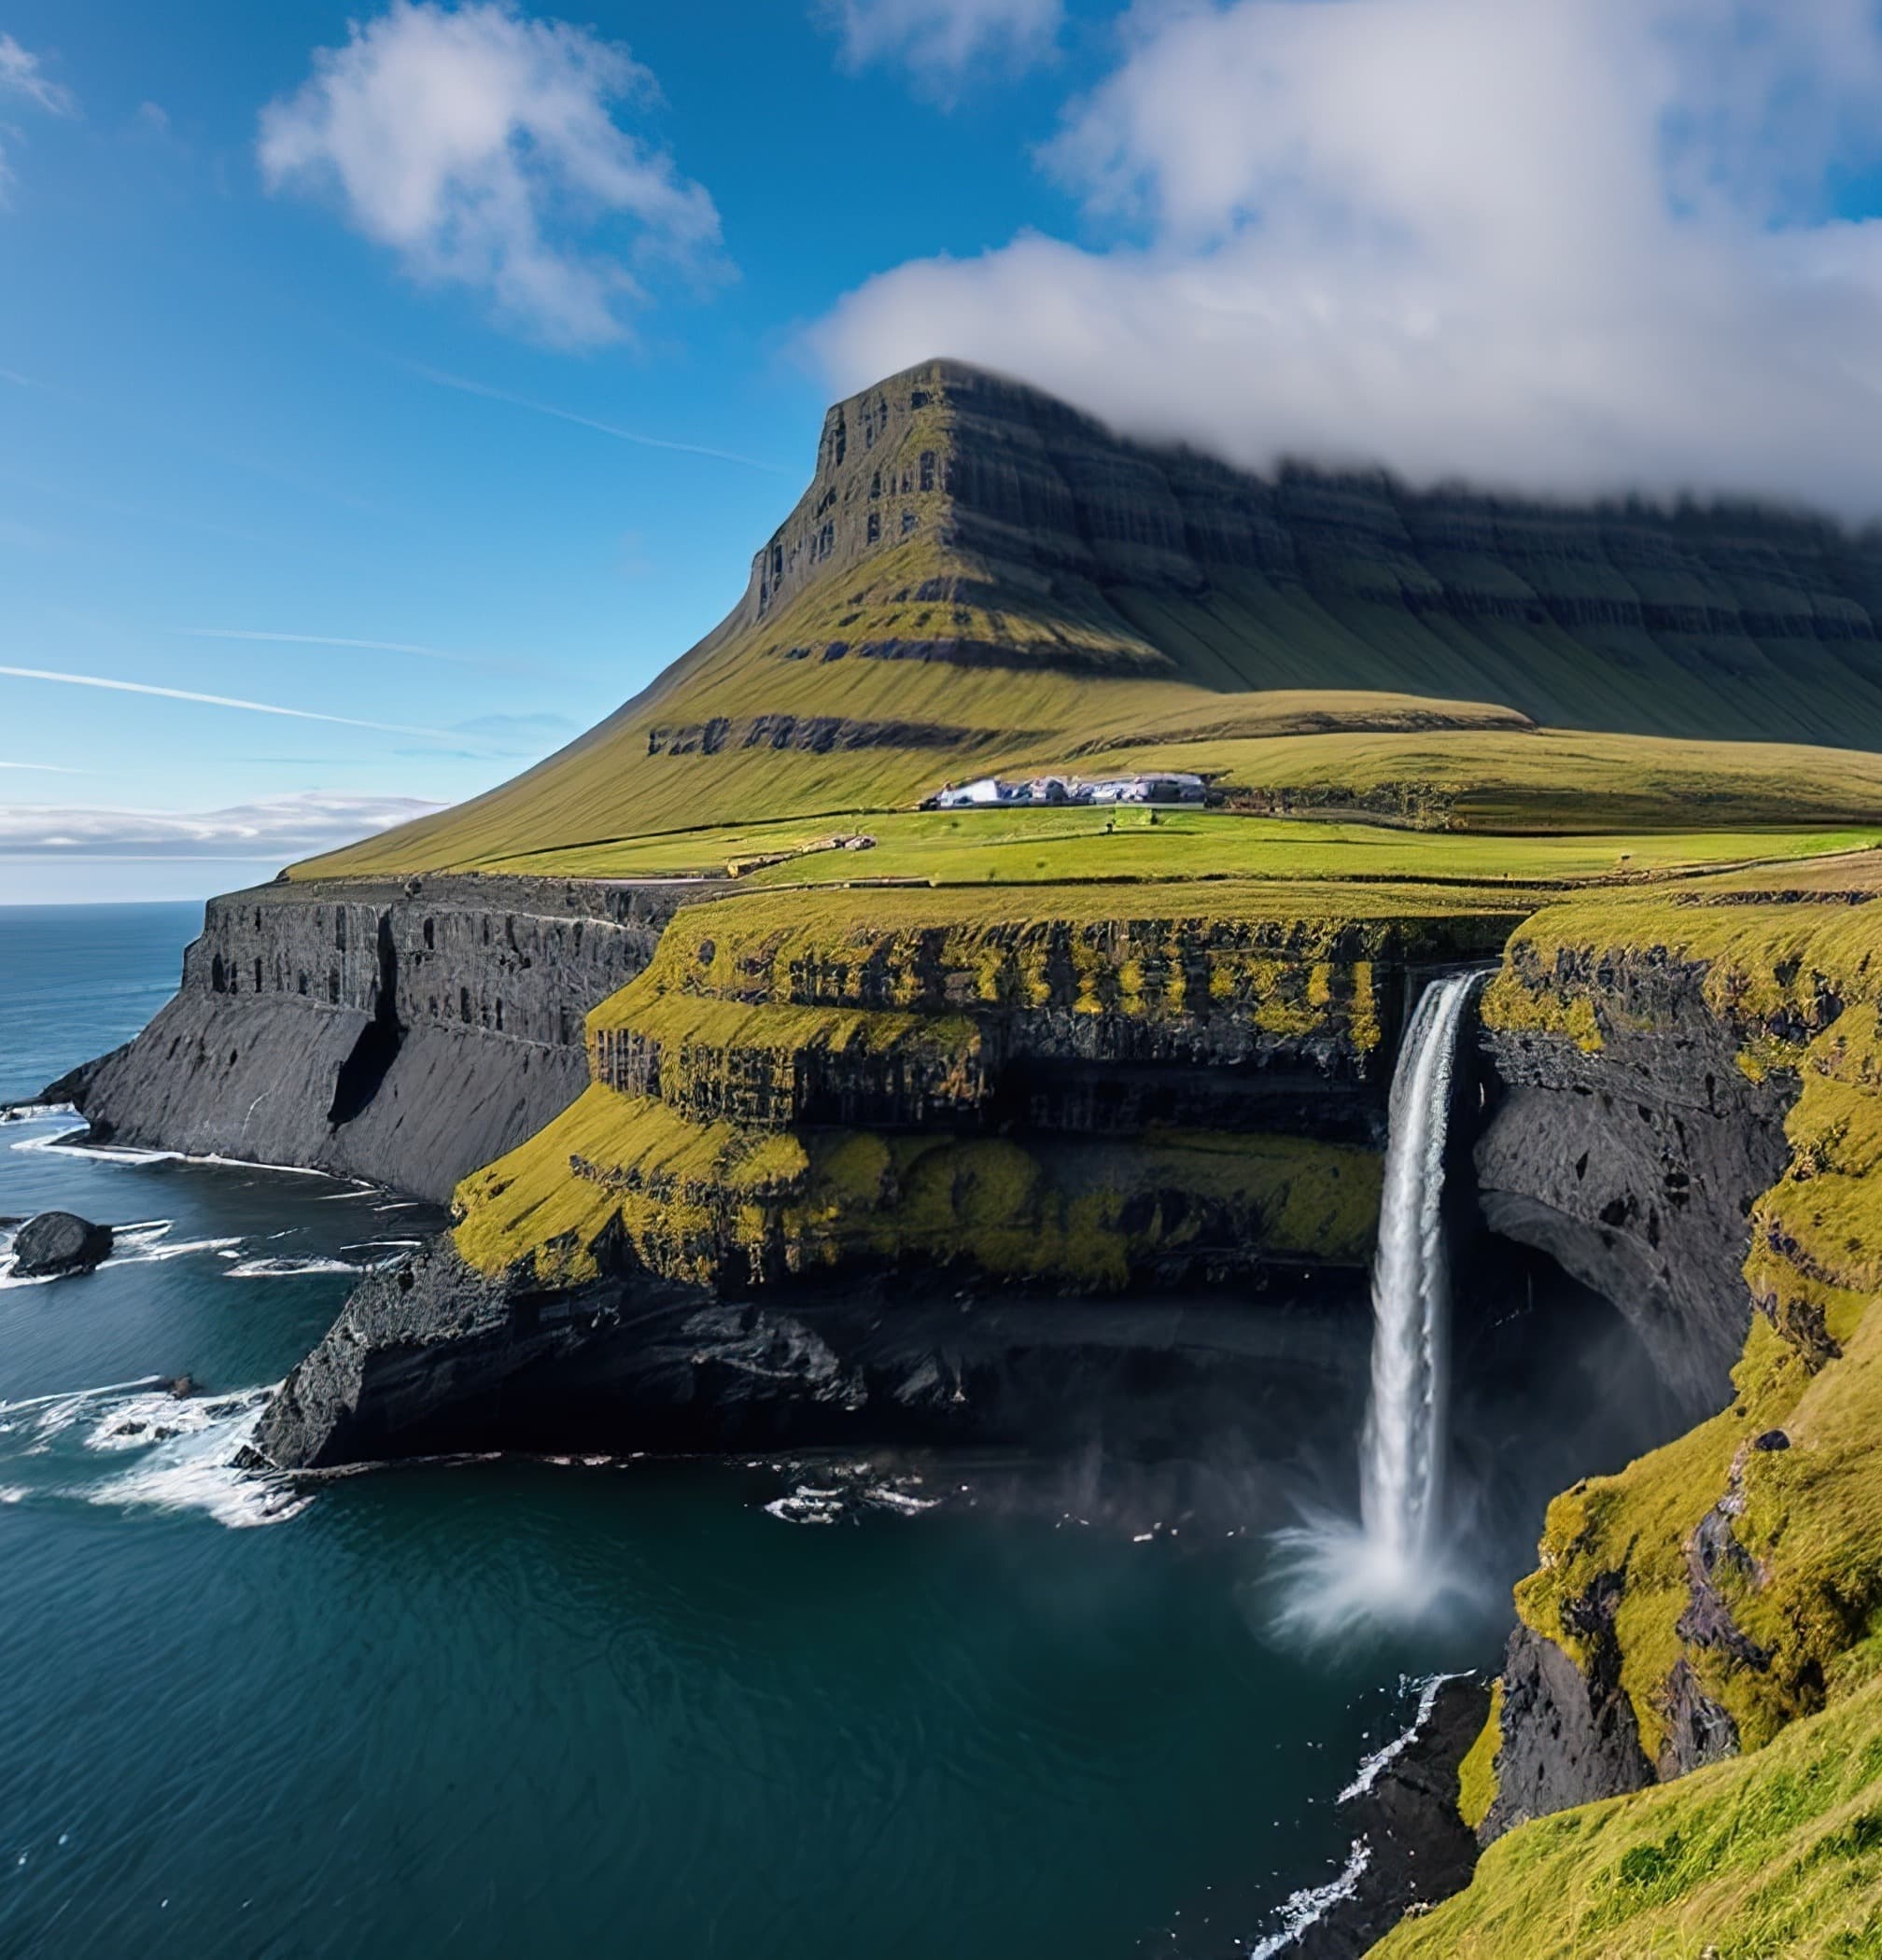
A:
(1076, 846)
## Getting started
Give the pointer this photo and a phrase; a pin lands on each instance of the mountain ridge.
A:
(979, 575)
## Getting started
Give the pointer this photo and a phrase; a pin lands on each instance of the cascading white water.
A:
(1396, 1564)
(1402, 1464)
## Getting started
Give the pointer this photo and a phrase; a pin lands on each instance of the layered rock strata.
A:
(951, 1092)
(401, 1033)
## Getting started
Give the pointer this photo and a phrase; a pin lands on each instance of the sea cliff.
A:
(829, 1118)
(401, 1032)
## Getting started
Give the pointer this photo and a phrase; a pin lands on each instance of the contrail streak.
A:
(606, 428)
(253, 708)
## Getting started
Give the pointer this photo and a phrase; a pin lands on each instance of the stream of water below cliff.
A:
(806, 1710)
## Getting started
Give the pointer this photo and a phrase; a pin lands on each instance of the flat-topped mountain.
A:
(981, 577)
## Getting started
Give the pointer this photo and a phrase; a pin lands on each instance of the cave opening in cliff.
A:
(369, 1060)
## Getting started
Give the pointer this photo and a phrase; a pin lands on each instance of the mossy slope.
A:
(810, 1080)
(1774, 1856)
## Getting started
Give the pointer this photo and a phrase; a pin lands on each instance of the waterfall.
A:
(1396, 1562)
(1401, 1461)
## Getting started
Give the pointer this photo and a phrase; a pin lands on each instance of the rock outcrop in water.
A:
(58, 1242)
(401, 1034)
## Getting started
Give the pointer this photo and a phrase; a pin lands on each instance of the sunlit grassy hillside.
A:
(978, 578)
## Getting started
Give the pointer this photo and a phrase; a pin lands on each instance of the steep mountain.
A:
(980, 576)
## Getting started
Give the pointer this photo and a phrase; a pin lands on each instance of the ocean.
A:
(507, 1708)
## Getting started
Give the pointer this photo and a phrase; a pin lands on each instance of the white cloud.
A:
(941, 39)
(20, 74)
(284, 827)
(481, 147)
(23, 78)
(1566, 245)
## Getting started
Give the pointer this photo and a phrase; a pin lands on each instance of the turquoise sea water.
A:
(525, 1708)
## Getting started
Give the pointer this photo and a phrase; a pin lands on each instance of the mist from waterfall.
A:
(1393, 1565)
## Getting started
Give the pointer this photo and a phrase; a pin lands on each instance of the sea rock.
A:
(59, 1242)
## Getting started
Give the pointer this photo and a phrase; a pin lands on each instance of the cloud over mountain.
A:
(1568, 246)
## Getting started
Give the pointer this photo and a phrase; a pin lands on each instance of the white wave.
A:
(1309, 1906)
(179, 1451)
(13, 1494)
(190, 1465)
(10, 1279)
(852, 1491)
(287, 1268)
(183, 1249)
(65, 1144)
(142, 1231)
(904, 1503)
(808, 1506)
(63, 1397)
(1374, 1764)
(139, 1422)
(36, 1112)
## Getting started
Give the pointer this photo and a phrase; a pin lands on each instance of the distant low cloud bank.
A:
(280, 827)
(1566, 246)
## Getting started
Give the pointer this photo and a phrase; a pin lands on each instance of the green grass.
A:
(1774, 1856)
(1048, 846)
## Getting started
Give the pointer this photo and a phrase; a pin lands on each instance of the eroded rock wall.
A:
(1630, 1146)
(1693, 1126)
(401, 1034)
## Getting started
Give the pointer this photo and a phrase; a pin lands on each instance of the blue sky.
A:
(288, 294)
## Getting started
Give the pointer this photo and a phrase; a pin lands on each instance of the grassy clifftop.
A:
(805, 1080)
(979, 577)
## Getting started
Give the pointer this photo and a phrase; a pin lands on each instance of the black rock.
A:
(1773, 1439)
(59, 1242)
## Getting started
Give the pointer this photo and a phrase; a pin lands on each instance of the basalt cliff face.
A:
(799, 1115)
(1628, 1144)
(403, 1036)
